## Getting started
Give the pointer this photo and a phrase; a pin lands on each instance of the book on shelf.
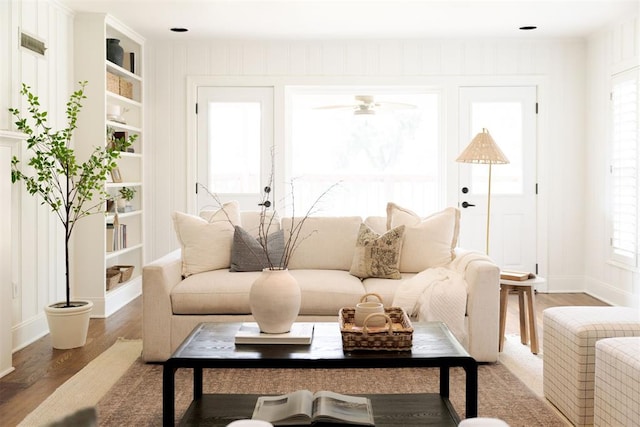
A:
(129, 61)
(110, 237)
(302, 407)
(518, 276)
(249, 333)
(116, 236)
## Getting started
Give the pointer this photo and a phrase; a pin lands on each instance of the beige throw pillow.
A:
(228, 212)
(377, 255)
(206, 243)
(428, 242)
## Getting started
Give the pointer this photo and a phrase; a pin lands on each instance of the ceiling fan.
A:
(366, 104)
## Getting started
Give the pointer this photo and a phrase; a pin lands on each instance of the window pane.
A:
(624, 170)
(391, 155)
(503, 120)
(234, 146)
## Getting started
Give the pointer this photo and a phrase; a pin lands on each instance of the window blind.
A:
(624, 168)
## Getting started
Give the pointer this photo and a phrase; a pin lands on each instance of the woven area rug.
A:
(88, 386)
(128, 392)
(522, 363)
(137, 398)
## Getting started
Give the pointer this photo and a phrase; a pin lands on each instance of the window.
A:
(234, 154)
(504, 120)
(390, 153)
(235, 139)
(624, 168)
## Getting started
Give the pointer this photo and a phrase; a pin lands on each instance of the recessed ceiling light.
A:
(528, 27)
(179, 30)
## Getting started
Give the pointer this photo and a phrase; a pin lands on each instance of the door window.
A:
(504, 121)
(235, 136)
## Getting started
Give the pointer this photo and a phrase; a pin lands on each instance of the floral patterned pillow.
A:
(377, 255)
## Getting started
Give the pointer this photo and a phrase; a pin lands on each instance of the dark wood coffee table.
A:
(211, 345)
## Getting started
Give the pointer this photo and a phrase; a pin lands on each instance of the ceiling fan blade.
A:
(365, 104)
(332, 107)
(364, 99)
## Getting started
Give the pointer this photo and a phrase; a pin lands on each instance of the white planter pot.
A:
(275, 301)
(69, 325)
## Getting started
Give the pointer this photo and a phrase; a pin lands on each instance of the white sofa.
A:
(183, 288)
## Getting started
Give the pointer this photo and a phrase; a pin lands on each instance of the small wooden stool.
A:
(526, 289)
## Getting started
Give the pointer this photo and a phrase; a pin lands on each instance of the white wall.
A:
(572, 205)
(37, 266)
(556, 66)
(609, 52)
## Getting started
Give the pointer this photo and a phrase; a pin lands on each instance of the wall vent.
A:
(32, 43)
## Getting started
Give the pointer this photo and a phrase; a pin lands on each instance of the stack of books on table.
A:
(300, 333)
(517, 276)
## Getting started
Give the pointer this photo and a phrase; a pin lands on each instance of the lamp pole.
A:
(488, 209)
(483, 150)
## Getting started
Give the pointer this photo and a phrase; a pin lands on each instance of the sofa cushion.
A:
(377, 255)
(324, 292)
(213, 292)
(384, 287)
(247, 253)
(325, 243)
(428, 242)
(206, 243)
(250, 221)
(377, 223)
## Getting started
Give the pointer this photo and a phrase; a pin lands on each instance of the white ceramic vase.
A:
(275, 300)
(69, 325)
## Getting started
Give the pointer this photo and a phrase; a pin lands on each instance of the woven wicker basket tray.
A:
(395, 335)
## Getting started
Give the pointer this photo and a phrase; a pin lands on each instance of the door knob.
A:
(465, 190)
(466, 205)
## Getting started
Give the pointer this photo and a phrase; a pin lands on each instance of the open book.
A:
(304, 407)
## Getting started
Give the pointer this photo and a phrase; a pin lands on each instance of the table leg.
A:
(533, 327)
(504, 294)
(471, 392)
(197, 383)
(444, 381)
(168, 396)
(524, 335)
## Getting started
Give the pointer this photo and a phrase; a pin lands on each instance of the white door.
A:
(509, 114)
(235, 136)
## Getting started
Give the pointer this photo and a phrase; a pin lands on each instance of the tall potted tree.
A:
(72, 190)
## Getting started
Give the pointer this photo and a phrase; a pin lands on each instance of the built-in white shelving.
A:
(92, 256)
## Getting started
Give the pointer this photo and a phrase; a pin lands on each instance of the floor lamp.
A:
(483, 150)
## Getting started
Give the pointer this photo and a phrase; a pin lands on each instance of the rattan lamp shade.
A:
(484, 150)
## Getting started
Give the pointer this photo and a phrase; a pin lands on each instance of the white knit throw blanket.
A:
(436, 294)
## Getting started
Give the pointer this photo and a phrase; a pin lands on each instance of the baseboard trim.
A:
(29, 331)
(610, 294)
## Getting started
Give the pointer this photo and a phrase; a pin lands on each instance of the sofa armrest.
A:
(483, 302)
(158, 279)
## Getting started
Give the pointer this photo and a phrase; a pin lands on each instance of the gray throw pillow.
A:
(248, 255)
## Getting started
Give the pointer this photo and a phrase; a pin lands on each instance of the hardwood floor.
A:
(542, 302)
(41, 369)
